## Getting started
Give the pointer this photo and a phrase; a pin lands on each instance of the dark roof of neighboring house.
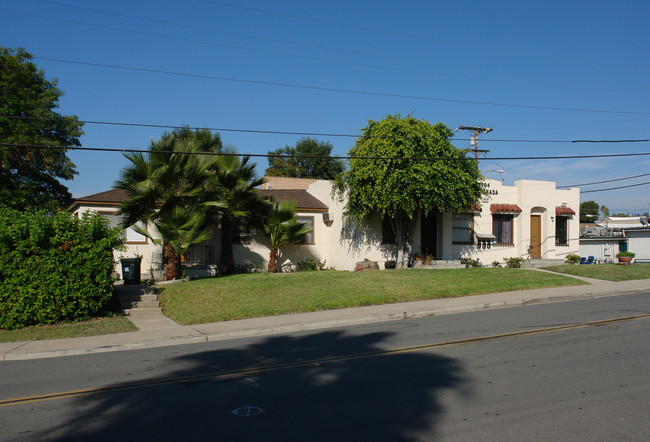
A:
(304, 200)
(108, 197)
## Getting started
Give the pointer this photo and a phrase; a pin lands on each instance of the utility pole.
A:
(473, 139)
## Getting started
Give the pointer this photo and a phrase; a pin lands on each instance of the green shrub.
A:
(310, 265)
(496, 264)
(470, 262)
(625, 254)
(572, 259)
(514, 262)
(54, 268)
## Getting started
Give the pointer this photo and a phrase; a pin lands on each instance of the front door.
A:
(535, 236)
(429, 234)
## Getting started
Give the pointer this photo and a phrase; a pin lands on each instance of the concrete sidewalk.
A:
(157, 332)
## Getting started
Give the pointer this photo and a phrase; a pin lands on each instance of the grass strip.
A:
(608, 272)
(93, 327)
(258, 295)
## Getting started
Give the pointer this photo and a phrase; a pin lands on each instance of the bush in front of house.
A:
(572, 259)
(54, 268)
(470, 262)
(514, 262)
(310, 265)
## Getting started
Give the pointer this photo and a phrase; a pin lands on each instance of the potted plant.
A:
(625, 257)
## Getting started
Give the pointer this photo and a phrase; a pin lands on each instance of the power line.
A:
(171, 126)
(319, 134)
(208, 43)
(106, 149)
(384, 31)
(338, 90)
(615, 188)
(605, 181)
(392, 68)
(219, 31)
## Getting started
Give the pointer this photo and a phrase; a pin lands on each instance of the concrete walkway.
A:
(157, 330)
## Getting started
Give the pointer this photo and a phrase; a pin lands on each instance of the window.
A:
(502, 228)
(241, 231)
(463, 228)
(129, 235)
(309, 222)
(387, 234)
(561, 231)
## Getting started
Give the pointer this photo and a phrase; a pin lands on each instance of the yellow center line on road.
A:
(310, 363)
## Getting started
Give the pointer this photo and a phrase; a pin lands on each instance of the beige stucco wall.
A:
(341, 243)
(533, 197)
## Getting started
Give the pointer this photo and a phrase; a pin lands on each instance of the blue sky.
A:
(515, 66)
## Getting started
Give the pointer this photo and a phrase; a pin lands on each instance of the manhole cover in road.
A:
(247, 411)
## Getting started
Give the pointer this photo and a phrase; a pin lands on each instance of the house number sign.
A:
(488, 190)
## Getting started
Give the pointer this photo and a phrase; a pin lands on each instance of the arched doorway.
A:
(535, 247)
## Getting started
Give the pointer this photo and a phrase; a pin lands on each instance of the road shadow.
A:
(323, 386)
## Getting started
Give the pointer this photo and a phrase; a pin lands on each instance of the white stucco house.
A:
(531, 219)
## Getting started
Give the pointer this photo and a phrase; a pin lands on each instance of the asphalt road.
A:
(576, 370)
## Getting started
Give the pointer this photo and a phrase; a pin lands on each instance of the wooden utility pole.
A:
(476, 131)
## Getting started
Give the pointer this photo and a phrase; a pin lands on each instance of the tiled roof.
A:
(508, 208)
(279, 182)
(567, 211)
(110, 196)
(304, 200)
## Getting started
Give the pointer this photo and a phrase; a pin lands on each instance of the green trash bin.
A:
(131, 270)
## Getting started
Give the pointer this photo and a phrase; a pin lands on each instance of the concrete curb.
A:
(247, 328)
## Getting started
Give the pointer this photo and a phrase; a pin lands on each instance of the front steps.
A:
(141, 306)
(138, 300)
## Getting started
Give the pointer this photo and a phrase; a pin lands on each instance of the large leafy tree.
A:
(309, 158)
(233, 184)
(169, 192)
(426, 174)
(283, 229)
(589, 211)
(204, 139)
(29, 177)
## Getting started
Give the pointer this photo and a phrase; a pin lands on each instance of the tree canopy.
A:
(590, 208)
(169, 192)
(283, 229)
(203, 139)
(310, 159)
(426, 174)
(233, 184)
(29, 177)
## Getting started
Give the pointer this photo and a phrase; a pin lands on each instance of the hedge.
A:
(54, 268)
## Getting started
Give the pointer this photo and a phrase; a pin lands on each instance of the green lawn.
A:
(99, 326)
(609, 272)
(263, 294)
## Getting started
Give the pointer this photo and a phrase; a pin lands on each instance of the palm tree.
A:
(233, 184)
(283, 228)
(168, 191)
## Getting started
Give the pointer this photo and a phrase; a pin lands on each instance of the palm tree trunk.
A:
(273, 264)
(173, 264)
(227, 261)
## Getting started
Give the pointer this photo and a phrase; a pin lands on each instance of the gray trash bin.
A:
(131, 270)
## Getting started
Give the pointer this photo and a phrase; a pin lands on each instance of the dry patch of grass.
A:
(94, 327)
(257, 295)
(609, 272)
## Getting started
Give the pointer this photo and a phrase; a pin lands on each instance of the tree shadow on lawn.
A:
(323, 386)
